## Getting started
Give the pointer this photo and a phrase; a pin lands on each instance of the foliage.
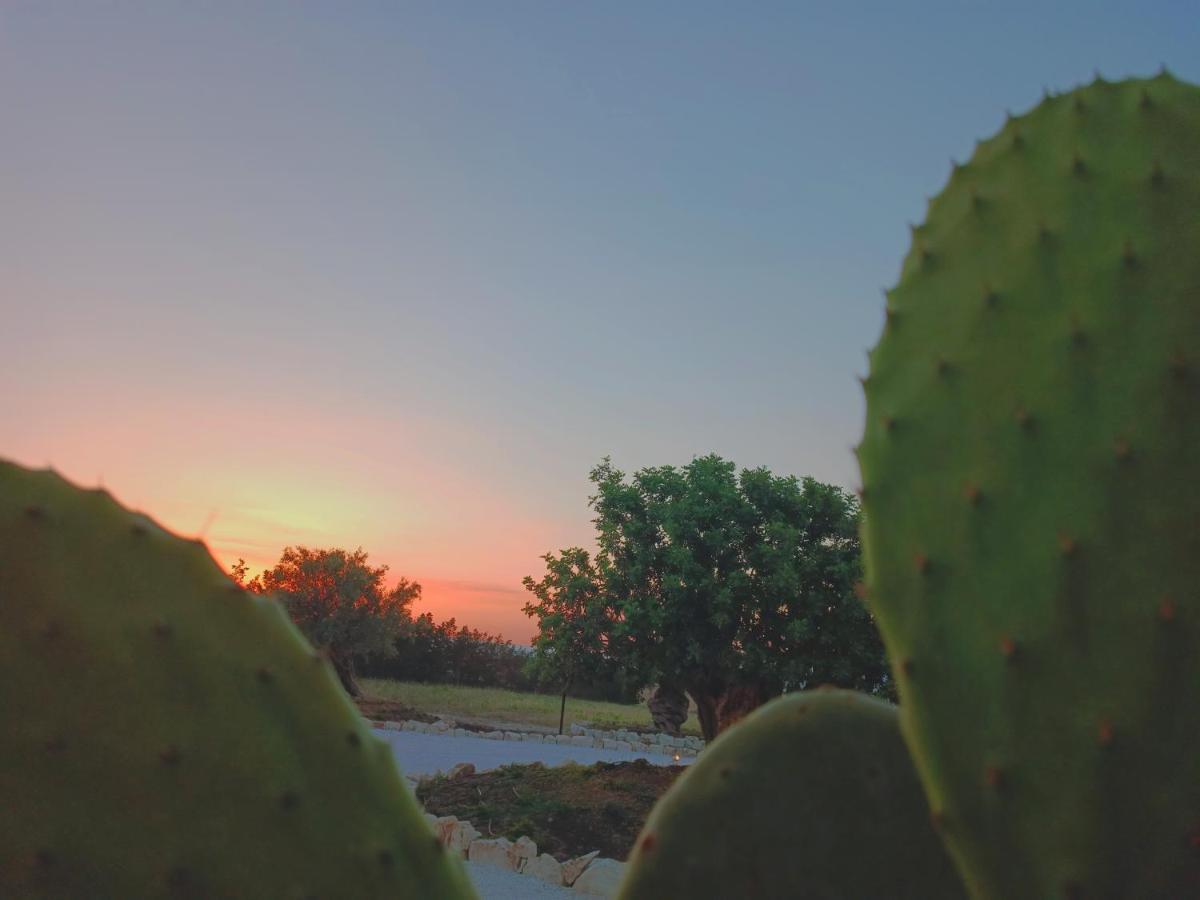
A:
(573, 618)
(340, 602)
(737, 586)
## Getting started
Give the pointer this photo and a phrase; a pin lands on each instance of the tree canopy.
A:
(573, 620)
(340, 602)
(733, 586)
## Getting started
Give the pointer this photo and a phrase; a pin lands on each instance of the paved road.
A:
(425, 754)
(494, 883)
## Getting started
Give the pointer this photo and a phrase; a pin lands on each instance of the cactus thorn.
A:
(1128, 256)
(906, 666)
(922, 564)
(1104, 733)
(993, 777)
(942, 367)
(889, 424)
(1024, 419)
(1121, 450)
(973, 494)
(1067, 545)
(169, 755)
(650, 840)
(1166, 610)
(1008, 648)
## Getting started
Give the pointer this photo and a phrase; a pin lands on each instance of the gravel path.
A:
(425, 754)
(494, 883)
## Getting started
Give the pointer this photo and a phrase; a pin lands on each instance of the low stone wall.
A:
(589, 874)
(579, 735)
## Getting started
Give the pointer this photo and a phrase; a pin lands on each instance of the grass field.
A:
(511, 706)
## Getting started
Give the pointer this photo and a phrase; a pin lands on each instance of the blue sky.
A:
(400, 274)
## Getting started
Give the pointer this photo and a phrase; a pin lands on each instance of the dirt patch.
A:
(568, 810)
(389, 711)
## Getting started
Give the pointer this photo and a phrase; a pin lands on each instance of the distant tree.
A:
(735, 587)
(340, 602)
(573, 622)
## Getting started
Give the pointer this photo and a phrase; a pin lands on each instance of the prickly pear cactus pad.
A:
(166, 734)
(812, 796)
(1031, 478)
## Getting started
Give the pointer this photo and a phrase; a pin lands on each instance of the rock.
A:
(460, 836)
(581, 740)
(573, 868)
(576, 729)
(440, 725)
(462, 732)
(490, 852)
(601, 878)
(687, 753)
(623, 745)
(392, 726)
(545, 867)
(494, 735)
(512, 735)
(609, 744)
(461, 769)
(430, 818)
(521, 852)
(443, 827)
(533, 738)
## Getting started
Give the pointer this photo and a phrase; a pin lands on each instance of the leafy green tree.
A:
(340, 602)
(574, 623)
(734, 586)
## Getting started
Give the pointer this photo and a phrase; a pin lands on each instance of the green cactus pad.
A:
(167, 734)
(811, 797)
(1031, 478)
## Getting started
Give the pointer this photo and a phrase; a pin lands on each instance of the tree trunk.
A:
(706, 712)
(562, 710)
(718, 707)
(737, 702)
(345, 673)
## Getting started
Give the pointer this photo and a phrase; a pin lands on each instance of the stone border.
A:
(579, 735)
(588, 874)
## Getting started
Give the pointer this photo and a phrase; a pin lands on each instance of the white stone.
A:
(490, 852)
(533, 738)
(512, 735)
(460, 837)
(601, 878)
(494, 735)
(430, 818)
(521, 852)
(576, 728)
(573, 868)
(686, 752)
(460, 769)
(609, 744)
(623, 745)
(443, 827)
(545, 867)
(581, 740)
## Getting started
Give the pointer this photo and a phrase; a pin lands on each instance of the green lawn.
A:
(511, 706)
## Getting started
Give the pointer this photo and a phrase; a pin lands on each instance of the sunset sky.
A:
(397, 275)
